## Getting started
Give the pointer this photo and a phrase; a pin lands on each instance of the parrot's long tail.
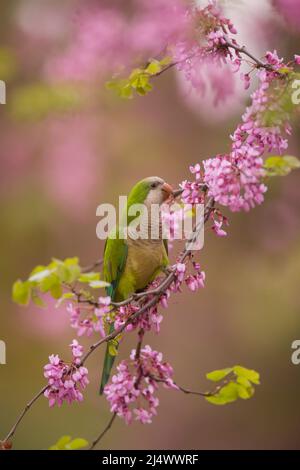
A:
(108, 365)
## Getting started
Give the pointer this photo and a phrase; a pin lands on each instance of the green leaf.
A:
(154, 67)
(281, 166)
(98, 284)
(292, 162)
(216, 400)
(126, 92)
(228, 394)
(47, 283)
(244, 382)
(21, 292)
(245, 392)
(66, 443)
(37, 300)
(38, 273)
(248, 374)
(240, 385)
(56, 291)
(165, 61)
(218, 375)
(71, 261)
(61, 443)
(88, 277)
(76, 444)
(285, 70)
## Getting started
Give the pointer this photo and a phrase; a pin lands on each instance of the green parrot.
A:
(129, 265)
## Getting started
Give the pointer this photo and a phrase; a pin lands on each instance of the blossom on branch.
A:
(131, 393)
(66, 382)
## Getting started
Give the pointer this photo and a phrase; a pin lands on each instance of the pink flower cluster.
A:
(192, 190)
(131, 393)
(94, 321)
(193, 281)
(66, 382)
(149, 320)
(236, 179)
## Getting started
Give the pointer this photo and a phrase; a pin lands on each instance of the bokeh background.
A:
(68, 144)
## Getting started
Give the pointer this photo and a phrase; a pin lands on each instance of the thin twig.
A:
(107, 428)
(93, 266)
(137, 358)
(188, 391)
(139, 345)
(240, 49)
(23, 413)
(244, 50)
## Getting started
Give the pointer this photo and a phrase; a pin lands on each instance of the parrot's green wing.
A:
(166, 244)
(115, 255)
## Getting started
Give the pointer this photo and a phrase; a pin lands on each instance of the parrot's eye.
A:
(154, 185)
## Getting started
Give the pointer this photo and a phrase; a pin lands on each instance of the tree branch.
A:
(105, 430)
(92, 266)
(23, 413)
(229, 44)
(244, 50)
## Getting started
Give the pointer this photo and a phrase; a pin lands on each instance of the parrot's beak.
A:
(177, 192)
(167, 189)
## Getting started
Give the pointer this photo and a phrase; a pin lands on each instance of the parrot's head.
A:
(156, 190)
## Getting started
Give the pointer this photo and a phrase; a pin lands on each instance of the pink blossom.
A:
(273, 59)
(195, 281)
(149, 320)
(236, 179)
(217, 228)
(180, 270)
(65, 383)
(192, 192)
(77, 351)
(246, 78)
(297, 59)
(105, 300)
(84, 326)
(132, 388)
(196, 170)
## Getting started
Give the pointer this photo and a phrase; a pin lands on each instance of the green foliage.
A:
(36, 101)
(218, 375)
(66, 443)
(21, 292)
(139, 79)
(88, 277)
(281, 165)
(98, 284)
(237, 383)
(55, 278)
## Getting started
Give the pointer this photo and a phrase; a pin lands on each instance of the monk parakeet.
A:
(129, 265)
